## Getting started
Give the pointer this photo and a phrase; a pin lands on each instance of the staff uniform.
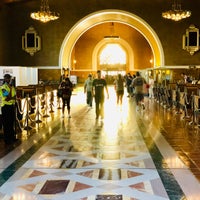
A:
(8, 94)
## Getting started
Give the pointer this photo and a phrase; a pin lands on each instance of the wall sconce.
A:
(191, 39)
(31, 42)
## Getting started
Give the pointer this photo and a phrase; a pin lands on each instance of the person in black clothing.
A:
(67, 87)
(8, 95)
(98, 86)
(128, 79)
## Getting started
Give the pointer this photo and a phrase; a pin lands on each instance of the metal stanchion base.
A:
(192, 123)
(38, 121)
(187, 117)
(46, 115)
(28, 128)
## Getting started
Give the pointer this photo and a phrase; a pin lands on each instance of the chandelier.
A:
(176, 13)
(44, 15)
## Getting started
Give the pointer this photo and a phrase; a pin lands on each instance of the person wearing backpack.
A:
(138, 84)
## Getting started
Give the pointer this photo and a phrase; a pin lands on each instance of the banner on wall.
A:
(8, 71)
(23, 75)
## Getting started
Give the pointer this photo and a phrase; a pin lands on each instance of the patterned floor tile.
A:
(85, 159)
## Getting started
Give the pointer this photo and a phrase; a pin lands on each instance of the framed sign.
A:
(31, 42)
(191, 39)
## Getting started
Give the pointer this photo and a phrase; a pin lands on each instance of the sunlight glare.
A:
(113, 54)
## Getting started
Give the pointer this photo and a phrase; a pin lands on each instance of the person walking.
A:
(138, 84)
(129, 79)
(98, 86)
(151, 87)
(119, 88)
(8, 95)
(88, 90)
(67, 87)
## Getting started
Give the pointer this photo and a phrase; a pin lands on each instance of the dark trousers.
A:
(89, 98)
(8, 120)
(1, 125)
(66, 101)
(99, 107)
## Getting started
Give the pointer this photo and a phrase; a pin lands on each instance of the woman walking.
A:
(67, 87)
(119, 88)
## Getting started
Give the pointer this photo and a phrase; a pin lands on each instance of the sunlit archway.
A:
(112, 55)
(112, 59)
(107, 16)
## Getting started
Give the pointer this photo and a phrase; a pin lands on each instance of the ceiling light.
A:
(176, 13)
(44, 15)
(111, 37)
(112, 33)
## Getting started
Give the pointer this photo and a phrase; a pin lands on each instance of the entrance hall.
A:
(129, 155)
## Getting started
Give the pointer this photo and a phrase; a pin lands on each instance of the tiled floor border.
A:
(171, 186)
(12, 168)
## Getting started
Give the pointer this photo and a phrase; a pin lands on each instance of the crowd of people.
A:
(135, 86)
(95, 89)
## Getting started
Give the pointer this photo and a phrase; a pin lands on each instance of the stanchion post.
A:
(51, 102)
(37, 114)
(46, 105)
(27, 117)
(17, 121)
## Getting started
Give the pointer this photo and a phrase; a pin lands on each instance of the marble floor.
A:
(152, 154)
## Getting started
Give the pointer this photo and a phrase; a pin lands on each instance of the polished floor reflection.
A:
(147, 155)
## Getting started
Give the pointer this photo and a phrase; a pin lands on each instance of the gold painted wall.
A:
(15, 20)
(85, 45)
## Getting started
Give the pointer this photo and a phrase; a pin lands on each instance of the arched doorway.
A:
(112, 61)
(103, 43)
(112, 57)
(106, 16)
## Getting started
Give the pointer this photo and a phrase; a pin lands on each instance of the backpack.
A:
(189, 79)
(138, 82)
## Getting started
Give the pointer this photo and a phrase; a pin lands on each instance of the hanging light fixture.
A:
(112, 33)
(44, 15)
(176, 13)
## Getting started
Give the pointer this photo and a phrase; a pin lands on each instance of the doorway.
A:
(120, 16)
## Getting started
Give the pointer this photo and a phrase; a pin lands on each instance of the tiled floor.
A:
(147, 155)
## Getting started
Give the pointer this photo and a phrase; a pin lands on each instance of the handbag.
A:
(59, 93)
